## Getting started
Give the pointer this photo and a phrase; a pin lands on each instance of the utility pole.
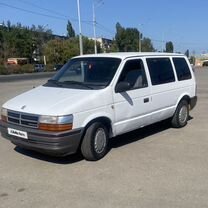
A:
(94, 27)
(140, 38)
(163, 42)
(80, 29)
(95, 3)
(140, 42)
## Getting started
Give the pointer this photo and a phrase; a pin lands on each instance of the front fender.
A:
(82, 119)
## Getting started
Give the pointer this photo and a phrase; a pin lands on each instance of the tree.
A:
(119, 37)
(127, 39)
(20, 41)
(147, 45)
(70, 30)
(187, 53)
(60, 51)
(169, 47)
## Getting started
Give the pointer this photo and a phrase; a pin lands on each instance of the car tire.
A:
(95, 142)
(181, 115)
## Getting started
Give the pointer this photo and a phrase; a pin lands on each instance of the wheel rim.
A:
(183, 114)
(100, 140)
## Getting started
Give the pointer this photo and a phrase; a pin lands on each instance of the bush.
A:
(49, 67)
(17, 69)
(3, 70)
(14, 69)
(27, 68)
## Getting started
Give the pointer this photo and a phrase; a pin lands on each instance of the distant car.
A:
(39, 67)
(57, 67)
(205, 63)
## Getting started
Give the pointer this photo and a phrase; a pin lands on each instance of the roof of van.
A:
(124, 55)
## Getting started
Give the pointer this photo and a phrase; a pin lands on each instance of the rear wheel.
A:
(181, 115)
(95, 142)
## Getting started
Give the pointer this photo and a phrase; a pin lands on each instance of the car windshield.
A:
(86, 73)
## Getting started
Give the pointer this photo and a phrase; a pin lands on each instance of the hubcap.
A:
(100, 140)
(183, 114)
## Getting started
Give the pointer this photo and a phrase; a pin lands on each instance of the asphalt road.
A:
(22, 77)
(155, 167)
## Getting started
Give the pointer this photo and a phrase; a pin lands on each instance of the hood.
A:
(55, 101)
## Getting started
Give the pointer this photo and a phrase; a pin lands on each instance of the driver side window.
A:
(134, 73)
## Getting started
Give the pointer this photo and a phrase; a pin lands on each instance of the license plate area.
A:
(17, 133)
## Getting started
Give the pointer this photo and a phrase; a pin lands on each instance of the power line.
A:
(61, 17)
(103, 28)
(41, 14)
(48, 10)
(32, 12)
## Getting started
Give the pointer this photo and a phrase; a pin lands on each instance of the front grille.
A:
(23, 119)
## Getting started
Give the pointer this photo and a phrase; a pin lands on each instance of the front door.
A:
(133, 107)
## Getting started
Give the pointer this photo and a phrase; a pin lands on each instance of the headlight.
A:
(56, 123)
(4, 114)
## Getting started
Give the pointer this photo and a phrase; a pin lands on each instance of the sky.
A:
(184, 22)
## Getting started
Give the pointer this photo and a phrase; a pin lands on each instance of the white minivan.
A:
(96, 97)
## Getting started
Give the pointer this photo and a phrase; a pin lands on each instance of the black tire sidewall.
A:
(181, 105)
(95, 127)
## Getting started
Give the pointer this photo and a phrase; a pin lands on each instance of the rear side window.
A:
(161, 70)
(182, 69)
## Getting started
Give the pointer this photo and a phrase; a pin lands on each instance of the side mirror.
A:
(122, 87)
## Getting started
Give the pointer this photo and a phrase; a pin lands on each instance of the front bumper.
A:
(50, 143)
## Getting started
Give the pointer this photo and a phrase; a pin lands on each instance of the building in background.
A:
(105, 43)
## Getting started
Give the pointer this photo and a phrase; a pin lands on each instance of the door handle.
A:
(146, 100)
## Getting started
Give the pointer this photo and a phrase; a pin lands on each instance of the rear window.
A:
(182, 69)
(161, 70)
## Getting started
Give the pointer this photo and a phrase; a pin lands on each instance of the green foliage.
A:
(49, 67)
(37, 41)
(127, 39)
(60, 51)
(27, 68)
(113, 48)
(147, 45)
(70, 30)
(20, 41)
(3, 70)
(169, 47)
(88, 46)
(14, 69)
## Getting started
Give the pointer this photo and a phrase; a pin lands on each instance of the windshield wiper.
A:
(53, 81)
(77, 83)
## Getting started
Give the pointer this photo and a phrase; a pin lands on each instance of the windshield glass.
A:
(86, 73)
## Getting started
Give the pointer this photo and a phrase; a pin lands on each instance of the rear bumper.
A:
(193, 102)
(56, 144)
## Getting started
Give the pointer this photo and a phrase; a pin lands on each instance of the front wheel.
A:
(181, 115)
(95, 142)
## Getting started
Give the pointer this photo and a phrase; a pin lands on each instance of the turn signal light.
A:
(55, 127)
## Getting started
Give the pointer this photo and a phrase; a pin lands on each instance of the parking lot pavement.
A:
(152, 167)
